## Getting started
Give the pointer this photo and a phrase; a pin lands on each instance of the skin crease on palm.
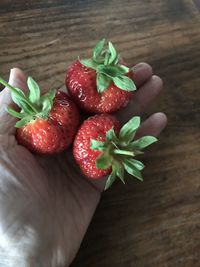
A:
(46, 205)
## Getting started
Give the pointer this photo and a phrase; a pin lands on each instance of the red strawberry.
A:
(100, 84)
(48, 123)
(101, 148)
(93, 128)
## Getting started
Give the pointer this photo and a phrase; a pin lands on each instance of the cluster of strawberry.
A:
(50, 122)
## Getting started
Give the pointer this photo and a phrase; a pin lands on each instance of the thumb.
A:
(17, 79)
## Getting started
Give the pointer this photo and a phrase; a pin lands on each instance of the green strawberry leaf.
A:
(46, 107)
(144, 142)
(123, 69)
(129, 129)
(124, 83)
(50, 95)
(98, 49)
(34, 94)
(103, 161)
(97, 145)
(113, 53)
(109, 71)
(110, 135)
(103, 82)
(47, 99)
(135, 164)
(90, 63)
(116, 60)
(23, 121)
(107, 57)
(119, 171)
(46, 102)
(22, 101)
(110, 180)
(17, 98)
(14, 113)
(132, 170)
(26, 108)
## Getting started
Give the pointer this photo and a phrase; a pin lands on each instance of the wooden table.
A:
(157, 222)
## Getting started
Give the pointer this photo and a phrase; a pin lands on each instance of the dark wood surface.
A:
(157, 222)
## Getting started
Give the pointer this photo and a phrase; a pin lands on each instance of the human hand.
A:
(46, 204)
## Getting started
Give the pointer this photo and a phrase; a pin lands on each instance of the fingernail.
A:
(11, 75)
(11, 70)
(13, 78)
(156, 79)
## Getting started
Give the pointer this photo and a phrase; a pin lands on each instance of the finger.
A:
(142, 73)
(152, 126)
(17, 79)
(147, 93)
(142, 98)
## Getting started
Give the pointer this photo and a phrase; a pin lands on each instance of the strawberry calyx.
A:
(118, 152)
(105, 61)
(32, 105)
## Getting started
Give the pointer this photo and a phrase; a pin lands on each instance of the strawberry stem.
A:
(123, 152)
(7, 85)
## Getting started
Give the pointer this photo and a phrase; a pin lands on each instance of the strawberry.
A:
(102, 148)
(48, 122)
(100, 84)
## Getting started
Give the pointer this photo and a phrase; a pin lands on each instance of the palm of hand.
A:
(46, 203)
(55, 203)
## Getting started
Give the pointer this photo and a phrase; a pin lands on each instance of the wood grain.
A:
(157, 222)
